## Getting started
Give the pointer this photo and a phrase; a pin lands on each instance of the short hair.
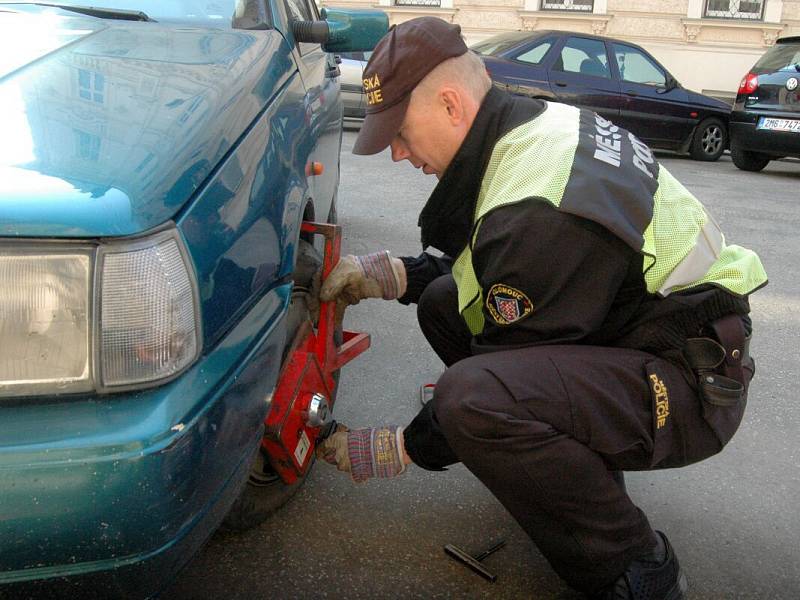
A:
(466, 72)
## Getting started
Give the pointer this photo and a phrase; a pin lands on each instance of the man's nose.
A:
(399, 150)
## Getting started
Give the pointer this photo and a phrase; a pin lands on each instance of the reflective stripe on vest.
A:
(565, 148)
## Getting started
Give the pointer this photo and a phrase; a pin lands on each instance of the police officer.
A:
(591, 314)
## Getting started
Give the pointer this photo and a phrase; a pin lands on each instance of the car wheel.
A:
(748, 161)
(710, 140)
(265, 492)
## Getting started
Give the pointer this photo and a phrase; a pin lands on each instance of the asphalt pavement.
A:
(734, 519)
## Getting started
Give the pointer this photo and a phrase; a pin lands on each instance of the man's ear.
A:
(453, 103)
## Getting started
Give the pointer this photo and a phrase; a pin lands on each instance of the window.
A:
(583, 5)
(417, 2)
(87, 145)
(534, 55)
(302, 10)
(585, 56)
(636, 67)
(781, 57)
(298, 10)
(501, 42)
(735, 9)
(91, 86)
(364, 56)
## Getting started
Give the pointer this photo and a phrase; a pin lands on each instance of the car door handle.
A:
(333, 71)
(630, 93)
(560, 84)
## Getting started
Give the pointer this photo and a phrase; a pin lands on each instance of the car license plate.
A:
(779, 124)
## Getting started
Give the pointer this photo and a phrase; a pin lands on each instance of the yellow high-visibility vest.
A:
(611, 178)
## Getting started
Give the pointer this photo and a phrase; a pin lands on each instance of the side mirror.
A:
(311, 32)
(669, 85)
(343, 30)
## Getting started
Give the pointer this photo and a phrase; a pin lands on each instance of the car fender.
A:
(702, 116)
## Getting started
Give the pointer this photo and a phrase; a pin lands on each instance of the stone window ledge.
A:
(533, 19)
(769, 31)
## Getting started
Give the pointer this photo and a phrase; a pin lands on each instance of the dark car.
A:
(765, 121)
(619, 80)
(156, 167)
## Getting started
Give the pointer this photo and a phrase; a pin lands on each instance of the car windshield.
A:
(781, 57)
(174, 10)
(499, 43)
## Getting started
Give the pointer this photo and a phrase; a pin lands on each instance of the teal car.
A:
(157, 161)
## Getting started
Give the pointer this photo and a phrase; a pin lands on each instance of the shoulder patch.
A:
(507, 305)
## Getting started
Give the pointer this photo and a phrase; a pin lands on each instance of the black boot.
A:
(656, 576)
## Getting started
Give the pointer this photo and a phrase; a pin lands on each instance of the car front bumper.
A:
(744, 135)
(118, 492)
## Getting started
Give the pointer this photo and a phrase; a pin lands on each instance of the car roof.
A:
(794, 39)
(590, 35)
(541, 33)
(560, 32)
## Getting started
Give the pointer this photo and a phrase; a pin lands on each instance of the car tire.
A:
(265, 492)
(748, 161)
(710, 140)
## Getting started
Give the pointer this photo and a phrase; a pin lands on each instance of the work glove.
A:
(364, 453)
(357, 277)
(314, 302)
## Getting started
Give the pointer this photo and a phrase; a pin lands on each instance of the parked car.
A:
(157, 161)
(765, 120)
(619, 80)
(352, 67)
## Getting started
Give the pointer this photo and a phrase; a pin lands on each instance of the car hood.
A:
(109, 128)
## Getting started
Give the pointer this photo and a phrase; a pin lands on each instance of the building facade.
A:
(708, 45)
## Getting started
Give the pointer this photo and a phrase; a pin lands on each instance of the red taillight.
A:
(749, 84)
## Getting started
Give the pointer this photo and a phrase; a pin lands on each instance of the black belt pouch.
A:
(724, 369)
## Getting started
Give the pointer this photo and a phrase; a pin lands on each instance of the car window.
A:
(635, 66)
(298, 10)
(783, 57)
(535, 55)
(302, 10)
(356, 55)
(499, 43)
(585, 56)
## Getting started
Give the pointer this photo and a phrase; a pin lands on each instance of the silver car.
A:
(352, 68)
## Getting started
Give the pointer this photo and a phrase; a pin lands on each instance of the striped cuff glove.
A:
(378, 266)
(357, 277)
(375, 452)
(365, 453)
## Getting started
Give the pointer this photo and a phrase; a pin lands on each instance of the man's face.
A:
(427, 138)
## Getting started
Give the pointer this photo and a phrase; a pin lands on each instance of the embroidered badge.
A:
(507, 305)
(662, 400)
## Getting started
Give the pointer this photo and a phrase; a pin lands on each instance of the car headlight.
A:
(44, 320)
(106, 317)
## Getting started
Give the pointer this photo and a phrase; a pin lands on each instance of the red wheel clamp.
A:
(303, 398)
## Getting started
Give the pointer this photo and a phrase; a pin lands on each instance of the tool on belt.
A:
(300, 413)
(721, 360)
(721, 363)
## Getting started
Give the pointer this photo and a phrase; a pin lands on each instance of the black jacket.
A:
(585, 284)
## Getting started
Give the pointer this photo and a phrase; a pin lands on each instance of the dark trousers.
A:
(543, 428)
